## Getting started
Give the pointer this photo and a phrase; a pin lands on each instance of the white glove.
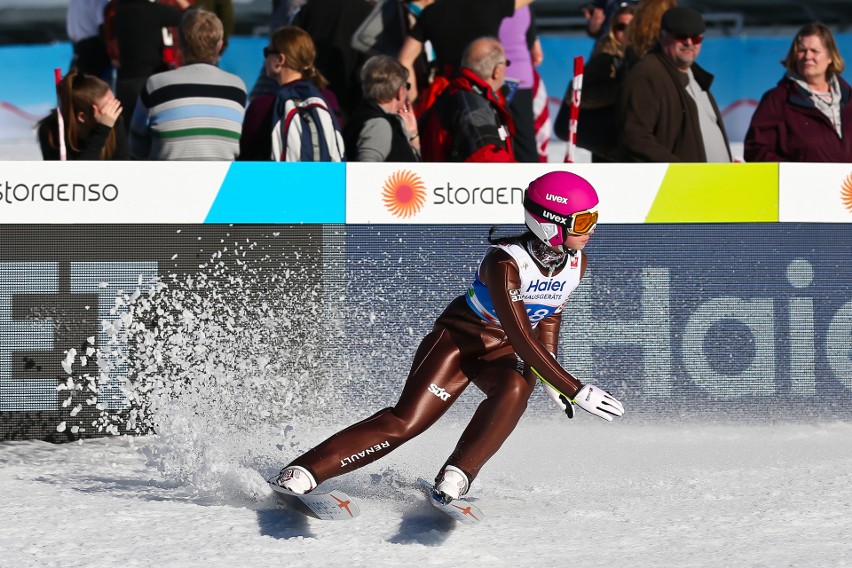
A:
(599, 402)
(560, 399)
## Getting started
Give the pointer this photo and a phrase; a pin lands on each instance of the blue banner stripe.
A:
(266, 192)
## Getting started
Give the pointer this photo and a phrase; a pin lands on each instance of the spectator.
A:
(84, 24)
(468, 122)
(644, 31)
(138, 34)
(225, 10)
(331, 24)
(283, 12)
(518, 36)
(289, 62)
(194, 112)
(597, 129)
(383, 128)
(808, 116)
(450, 26)
(90, 114)
(666, 110)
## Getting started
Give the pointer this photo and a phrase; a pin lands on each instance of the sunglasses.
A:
(696, 39)
(619, 27)
(267, 51)
(579, 223)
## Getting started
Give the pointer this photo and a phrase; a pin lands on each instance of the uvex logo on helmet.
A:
(559, 219)
(557, 198)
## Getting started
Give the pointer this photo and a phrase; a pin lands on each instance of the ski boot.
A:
(450, 484)
(296, 479)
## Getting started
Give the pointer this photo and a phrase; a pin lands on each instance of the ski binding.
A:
(461, 510)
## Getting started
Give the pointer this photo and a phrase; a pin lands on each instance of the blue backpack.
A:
(303, 127)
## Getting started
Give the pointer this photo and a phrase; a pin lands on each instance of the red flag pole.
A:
(57, 75)
(576, 93)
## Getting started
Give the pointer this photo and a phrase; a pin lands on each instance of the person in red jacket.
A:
(469, 121)
(808, 116)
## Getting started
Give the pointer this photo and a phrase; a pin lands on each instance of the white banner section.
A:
(108, 192)
(427, 193)
(815, 194)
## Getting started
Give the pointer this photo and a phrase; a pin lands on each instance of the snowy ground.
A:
(560, 493)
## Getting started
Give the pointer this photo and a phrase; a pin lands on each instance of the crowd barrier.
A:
(252, 192)
(716, 290)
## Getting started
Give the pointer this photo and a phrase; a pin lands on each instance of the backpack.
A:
(303, 127)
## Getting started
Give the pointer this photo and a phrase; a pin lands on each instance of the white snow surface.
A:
(581, 492)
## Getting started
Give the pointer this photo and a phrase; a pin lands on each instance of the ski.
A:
(461, 510)
(329, 506)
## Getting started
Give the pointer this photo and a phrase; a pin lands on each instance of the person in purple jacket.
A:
(807, 117)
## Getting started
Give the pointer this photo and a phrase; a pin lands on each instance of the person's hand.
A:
(537, 53)
(409, 120)
(109, 113)
(560, 399)
(595, 18)
(597, 401)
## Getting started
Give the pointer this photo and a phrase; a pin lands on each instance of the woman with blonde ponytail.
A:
(289, 61)
(92, 117)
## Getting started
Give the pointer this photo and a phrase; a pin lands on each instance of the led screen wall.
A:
(726, 320)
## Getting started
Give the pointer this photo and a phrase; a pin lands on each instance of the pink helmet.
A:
(560, 202)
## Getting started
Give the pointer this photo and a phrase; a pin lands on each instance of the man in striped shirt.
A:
(194, 112)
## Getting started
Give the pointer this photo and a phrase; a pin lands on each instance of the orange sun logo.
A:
(846, 192)
(404, 194)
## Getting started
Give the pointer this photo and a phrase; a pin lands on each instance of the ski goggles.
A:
(579, 223)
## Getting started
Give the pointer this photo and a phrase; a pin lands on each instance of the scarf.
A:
(827, 103)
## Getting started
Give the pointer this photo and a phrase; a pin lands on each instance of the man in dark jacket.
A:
(666, 110)
(383, 128)
(469, 122)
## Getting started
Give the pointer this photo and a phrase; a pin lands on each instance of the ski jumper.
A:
(505, 326)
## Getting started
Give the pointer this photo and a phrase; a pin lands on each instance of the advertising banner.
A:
(815, 193)
(493, 193)
(171, 192)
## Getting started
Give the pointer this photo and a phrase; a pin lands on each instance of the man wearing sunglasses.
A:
(666, 110)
